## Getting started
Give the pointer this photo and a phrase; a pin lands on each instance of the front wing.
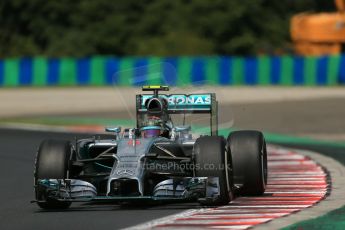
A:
(186, 189)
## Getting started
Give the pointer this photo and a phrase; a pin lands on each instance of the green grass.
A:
(334, 220)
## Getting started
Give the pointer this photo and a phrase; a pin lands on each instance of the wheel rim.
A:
(263, 157)
(227, 174)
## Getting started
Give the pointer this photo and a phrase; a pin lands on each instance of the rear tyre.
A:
(211, 150)
(249, 158)
(52, 162)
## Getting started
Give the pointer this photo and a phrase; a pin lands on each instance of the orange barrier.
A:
(319, 34)
(340, 5)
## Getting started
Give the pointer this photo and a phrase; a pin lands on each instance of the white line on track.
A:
(167, 219)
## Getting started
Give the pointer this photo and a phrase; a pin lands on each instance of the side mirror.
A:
(181, 132)
(116, 130)
(182, 128)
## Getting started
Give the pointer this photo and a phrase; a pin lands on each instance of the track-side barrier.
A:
(179, 71)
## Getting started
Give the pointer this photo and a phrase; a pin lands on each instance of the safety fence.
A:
(135, 71)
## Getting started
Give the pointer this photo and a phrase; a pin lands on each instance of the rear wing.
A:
(185, 104)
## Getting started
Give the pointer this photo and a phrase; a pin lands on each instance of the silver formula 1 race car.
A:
(155, 161)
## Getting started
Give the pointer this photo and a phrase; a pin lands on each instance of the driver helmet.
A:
(152, 127)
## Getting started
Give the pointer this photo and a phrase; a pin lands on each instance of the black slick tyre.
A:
(52, 162)
(211, 151)
(249, 158)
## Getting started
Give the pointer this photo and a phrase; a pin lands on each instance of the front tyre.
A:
(211, 150)
(249, 158)
(52, 162)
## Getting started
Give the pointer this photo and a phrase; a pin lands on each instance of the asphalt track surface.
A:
(17, 154)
